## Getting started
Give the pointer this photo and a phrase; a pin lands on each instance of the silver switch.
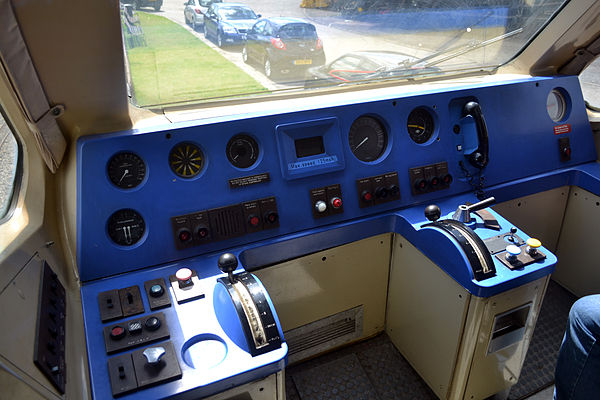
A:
(154, 354)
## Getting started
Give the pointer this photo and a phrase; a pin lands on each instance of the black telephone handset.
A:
(480, 157)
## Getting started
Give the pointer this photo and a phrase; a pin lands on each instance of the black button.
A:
(152, 323)
(156, 290)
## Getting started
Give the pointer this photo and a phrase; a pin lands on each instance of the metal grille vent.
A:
(226, 222)
(324, 334)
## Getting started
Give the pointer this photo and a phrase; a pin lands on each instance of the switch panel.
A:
(326, 201)
(49, 350)
(110, 305)
(378, 189)
(224, 223)
(157, 294)
(166, 369)
(429, 178)
(186, 291)
(122, 375)
(131, 301)
(135, 332)
(564, 146)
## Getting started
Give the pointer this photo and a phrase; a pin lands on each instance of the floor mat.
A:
(538, 369)
(372, 369)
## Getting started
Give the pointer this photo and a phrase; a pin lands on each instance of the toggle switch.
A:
(154, 354)
(512, 252)
(532, 246)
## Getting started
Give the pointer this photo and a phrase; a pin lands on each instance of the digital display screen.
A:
(309, 146)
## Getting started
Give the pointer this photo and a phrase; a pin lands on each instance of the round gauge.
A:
(186, 160)
(242, 151)
(556, 105)
(420, 125)
(126, 170)
(367, 138)
(126, 227)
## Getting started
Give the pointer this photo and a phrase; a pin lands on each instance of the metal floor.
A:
(374, 369)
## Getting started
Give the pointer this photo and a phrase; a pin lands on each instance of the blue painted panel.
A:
(521, 137)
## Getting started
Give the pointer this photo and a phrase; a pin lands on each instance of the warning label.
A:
(249, 180)
(560, 129)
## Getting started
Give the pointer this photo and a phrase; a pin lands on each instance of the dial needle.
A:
(124, 174)
(361, 143)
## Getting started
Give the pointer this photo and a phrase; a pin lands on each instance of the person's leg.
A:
(578, 366)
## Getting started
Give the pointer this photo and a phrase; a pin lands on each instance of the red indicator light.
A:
(185, 235)
(336, 202)
(254, 221)
(117, 332)
(367, 196)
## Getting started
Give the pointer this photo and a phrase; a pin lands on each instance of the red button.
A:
(336, 202)
(202, 232)
(367, 196)
(117, 332)
(183, 274)
(184, 236)
(254, 221)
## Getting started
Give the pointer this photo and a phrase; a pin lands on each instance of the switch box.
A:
(165, 370)
(155, 299)
(131, 301)
(110, 305)
(122, 375)
(326, 201)
(378, 189)
(190, 292)
(429, 178)
(135, 332)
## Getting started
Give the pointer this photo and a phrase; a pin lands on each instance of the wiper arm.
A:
(458, 50)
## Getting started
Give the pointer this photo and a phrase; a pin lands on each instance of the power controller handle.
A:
(463, 212)
(228, 263)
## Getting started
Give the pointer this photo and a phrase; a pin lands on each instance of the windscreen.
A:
(177, 55)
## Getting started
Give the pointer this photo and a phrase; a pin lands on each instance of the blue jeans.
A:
(578, 366)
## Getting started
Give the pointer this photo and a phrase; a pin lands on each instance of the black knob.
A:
(433, 212)
(381, 192)
(227, 262)
(152, 323)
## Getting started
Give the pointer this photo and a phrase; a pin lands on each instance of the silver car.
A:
(194, 11)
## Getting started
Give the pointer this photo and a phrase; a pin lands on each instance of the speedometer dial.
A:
(126, 170)
(367, 138)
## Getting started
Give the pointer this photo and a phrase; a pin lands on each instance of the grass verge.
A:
(175, 66)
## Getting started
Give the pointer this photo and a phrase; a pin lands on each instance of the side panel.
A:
(425, 315)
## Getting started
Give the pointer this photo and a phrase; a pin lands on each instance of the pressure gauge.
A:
(242, 151)
(126, 227)
(556, 105)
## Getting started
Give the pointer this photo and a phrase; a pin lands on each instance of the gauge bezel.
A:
(386, 131)
(562, 97)
(116, 185)
(203, 165)
(244, 135)
(434, 120)
(135, 244)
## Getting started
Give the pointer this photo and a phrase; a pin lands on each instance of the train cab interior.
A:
(301, 199)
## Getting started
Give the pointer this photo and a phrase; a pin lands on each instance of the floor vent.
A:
(324, 334)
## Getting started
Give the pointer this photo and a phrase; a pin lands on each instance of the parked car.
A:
(283, 46)
(156, 4)
(228, 23)
(194, 11)
(366, 65)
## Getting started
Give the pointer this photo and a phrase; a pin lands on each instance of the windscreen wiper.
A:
(456, 51)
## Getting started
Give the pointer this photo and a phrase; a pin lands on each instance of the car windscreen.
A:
(236, 13)
(297, 31)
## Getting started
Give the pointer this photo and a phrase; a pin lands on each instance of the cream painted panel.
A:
(12, 388)
(318, 285)
(498, 371)
(540, 215)
(426, 310)
(269, 388)
(579, 246)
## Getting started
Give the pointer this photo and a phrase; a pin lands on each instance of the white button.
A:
(320, 206)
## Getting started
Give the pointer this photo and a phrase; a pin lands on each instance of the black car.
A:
(366, 65)
(283, 46)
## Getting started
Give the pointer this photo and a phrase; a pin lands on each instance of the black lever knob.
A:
(228, 263)
(433, 212)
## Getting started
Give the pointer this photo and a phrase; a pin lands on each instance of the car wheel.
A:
(205, 31)
(219, 39)
(245, 55)
(194, 25)
(157, 7)
(268, 69)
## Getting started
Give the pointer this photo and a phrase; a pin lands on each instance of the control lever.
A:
(228, 263)
(433, 212)
(463, 212)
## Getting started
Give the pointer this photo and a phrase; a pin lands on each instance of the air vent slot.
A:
(226, 222)
(324, 334)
